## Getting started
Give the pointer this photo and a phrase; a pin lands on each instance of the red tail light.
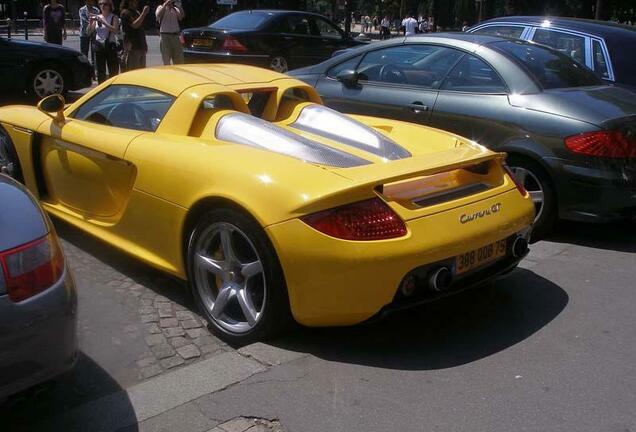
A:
(365, 220)
(522, 190)
(609, 144)
(231, 43)
(31, 268)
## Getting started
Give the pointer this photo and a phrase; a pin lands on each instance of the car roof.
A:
(600, 28)
(174, 80)
(279, 12)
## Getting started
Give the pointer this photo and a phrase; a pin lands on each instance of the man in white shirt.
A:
(168, 15)
(410, 24)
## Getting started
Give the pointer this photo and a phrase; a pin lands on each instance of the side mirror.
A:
(53, 106)
(348, 77)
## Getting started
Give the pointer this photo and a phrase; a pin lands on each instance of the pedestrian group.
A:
(117, 43)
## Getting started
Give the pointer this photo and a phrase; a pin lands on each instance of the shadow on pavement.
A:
(619, 237)
(85, 383)
(450, 332)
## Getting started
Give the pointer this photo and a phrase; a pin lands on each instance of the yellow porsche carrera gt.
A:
(272, 206)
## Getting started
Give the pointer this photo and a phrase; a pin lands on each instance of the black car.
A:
(276, 39)
(40, 69)
(605, 47)
(571, 140)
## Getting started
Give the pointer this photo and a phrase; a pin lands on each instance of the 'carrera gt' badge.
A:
(480, 214)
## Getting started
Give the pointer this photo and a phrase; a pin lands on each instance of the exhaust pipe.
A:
(519, 247)
(440, 279)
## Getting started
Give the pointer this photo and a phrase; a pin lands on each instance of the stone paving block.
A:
(146, 302)
(178, 342)
(149, 318)
(146, 310)
(171, 362)
(190, 324)
(184, 315)
(162, 351)
(173, 332)
(155, 339)
(165, 313)
(168, 322)
(196, 332)
(146, 361)
(150, 371)
(208, 349)
(204, 340)
(178, 307)
(189, 351)
(152, 328)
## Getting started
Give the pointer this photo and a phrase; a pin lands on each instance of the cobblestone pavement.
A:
(160, 316)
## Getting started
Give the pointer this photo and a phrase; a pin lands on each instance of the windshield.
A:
(241, 21)
(547, 66)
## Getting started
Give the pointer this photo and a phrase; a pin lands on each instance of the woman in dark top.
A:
(135, 46)
(53, 20)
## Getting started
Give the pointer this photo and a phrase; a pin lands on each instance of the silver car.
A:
(38, 302)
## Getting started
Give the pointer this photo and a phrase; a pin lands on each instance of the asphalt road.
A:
(550, 347)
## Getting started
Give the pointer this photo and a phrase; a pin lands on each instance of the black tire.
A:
(38, 71)
(548, 216)
(275, 311)
(8, 156)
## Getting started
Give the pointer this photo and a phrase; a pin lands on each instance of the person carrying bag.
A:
(105, 26)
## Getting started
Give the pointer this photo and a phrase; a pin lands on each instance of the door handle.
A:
(418, 107)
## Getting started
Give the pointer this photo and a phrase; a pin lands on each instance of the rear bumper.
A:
(80, 76)
(597, 192)
(339, 282)
(195, 56)
(38, 337)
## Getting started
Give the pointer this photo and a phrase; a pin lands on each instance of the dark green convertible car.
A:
(571, 139)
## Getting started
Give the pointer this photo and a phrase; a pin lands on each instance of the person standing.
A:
(384, 27)
(85, 12)
(465, 26)
(53, 16)
(135, 46)
(105, 26)
(168, 16)
(410, 24)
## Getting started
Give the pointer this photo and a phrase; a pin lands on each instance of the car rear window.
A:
(241, 21)
(547, 66)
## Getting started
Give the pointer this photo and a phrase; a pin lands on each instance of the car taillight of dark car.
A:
(608, 144)
(31, 268)
(232, 44)
(371, 219)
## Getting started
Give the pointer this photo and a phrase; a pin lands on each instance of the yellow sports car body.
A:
(271, 205)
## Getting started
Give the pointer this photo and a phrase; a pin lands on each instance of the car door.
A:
(298, 44)
(83, 161)
(331, 37)
(472, 101)
(573, 44)
(11, 67)
(398, 82)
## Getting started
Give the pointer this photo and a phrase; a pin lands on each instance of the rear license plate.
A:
(479, 257)
(202, 42)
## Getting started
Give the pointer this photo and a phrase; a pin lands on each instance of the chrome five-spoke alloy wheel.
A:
(47, 82)
(229, 277)
(7, 163)
(533, 186)
(279, 64)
